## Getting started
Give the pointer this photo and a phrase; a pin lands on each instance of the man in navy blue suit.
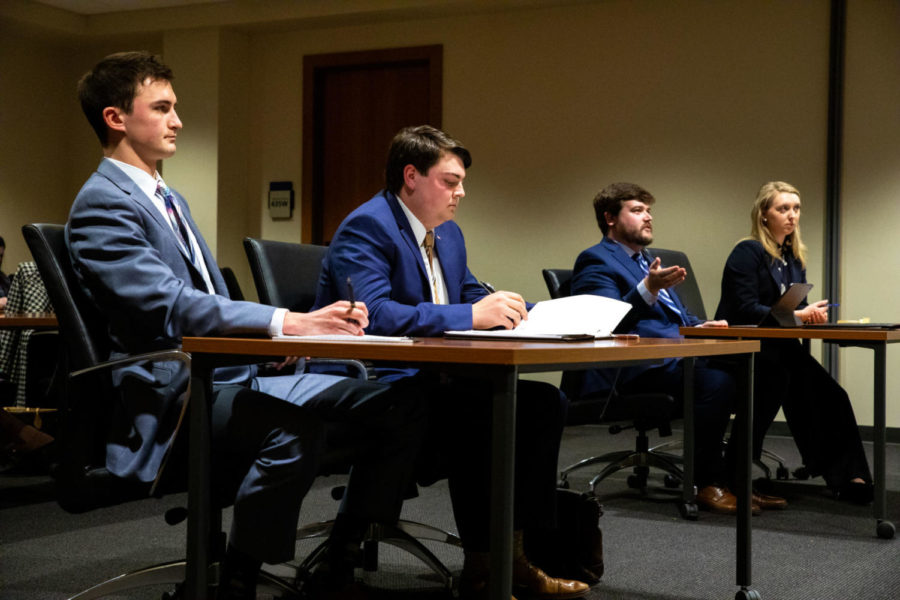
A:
(406, 259)
(619, 268)
(145, 265)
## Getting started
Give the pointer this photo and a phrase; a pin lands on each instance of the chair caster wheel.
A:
(885, 530)
(801, 473)
(671, 481)
(637, 482)
(689, 511)
(563, 484)
(782, 473)
(746, 594)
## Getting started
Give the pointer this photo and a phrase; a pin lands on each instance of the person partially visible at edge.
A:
(4, 278)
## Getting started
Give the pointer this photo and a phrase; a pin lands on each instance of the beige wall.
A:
(700, 102)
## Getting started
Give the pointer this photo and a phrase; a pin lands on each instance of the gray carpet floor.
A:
(818, 549)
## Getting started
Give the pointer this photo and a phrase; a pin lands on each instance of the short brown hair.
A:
(114, 81)
(421, 147)
(610, 200)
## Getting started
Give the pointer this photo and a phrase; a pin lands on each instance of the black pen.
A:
(350, 295)
(487, 287)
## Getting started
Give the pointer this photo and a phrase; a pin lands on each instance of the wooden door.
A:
(353, 104)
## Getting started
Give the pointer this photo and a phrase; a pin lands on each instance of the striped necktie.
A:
(663, 295)
(175, 219)
(428, 244)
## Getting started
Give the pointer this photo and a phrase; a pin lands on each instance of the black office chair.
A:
(287, 275)
(231, 282)
(82, 481)
(644, 412)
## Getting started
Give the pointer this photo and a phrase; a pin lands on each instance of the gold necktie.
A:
(428, 244)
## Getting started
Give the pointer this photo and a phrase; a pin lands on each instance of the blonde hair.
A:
(758, 230)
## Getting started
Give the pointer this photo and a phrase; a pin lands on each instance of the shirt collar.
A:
(141, 178)
(418, 229)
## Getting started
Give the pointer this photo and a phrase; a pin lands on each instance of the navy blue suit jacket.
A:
(607, 269)
(375, 247)
(133, 269)
(751, 283)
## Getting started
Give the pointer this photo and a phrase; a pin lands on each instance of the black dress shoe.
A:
(855, 492)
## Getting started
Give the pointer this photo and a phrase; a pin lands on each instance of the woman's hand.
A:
(817, 312)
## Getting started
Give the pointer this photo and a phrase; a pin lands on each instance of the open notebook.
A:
(563, 319)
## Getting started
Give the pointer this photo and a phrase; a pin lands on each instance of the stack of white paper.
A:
(573, 316)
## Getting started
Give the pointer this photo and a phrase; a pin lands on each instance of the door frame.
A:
(314, 65)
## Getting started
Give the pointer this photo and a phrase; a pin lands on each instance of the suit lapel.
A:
(121, 180)
(407, 234)
(624, 258)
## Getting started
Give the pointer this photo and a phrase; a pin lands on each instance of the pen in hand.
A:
(487, 287)
(352, 298)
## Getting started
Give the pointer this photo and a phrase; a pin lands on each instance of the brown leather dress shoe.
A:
(530, 581)
(766, 502)
(719, 500)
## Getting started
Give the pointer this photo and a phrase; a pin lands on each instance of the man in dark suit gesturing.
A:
(144, 263)
(619, 268)
(407, 261)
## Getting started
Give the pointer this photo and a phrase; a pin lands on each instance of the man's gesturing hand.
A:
(659, 279)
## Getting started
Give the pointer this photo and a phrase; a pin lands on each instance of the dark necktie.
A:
(663, 295)
(428, 244)
(177, 224)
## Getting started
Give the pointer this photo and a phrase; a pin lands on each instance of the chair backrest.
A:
(82, 326)
(231, 282)
(689, 289)
(559, 282)
(286, 275)
(86, 408)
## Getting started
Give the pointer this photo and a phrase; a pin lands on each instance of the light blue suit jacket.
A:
(134, 270)
(376, 248)
(607, 269)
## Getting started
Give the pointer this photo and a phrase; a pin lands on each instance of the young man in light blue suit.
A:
(406, 259)
(619, 268)
(145, 265)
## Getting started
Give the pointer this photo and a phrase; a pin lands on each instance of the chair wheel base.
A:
(745, 594)
(689, 511)
(885, 530)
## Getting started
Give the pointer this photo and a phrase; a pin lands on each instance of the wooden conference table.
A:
(45, 320)
(862, 337)
(499, 361)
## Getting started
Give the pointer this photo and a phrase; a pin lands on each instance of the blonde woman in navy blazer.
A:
(817, 409)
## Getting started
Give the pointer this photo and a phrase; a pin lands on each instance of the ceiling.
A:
(96, 7)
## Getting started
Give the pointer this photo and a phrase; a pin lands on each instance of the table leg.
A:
(883, 528)
(199, 495)
(743, 483)
(503, 444)
(688, 505)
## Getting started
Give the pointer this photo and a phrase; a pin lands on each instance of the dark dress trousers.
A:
(817, 409)
(268, 432)
(608, 269)
(375, 246)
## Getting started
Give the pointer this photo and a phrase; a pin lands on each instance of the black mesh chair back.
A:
(285, 274)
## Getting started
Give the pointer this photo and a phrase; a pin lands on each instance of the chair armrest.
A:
(362, 371)
(158, 355)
